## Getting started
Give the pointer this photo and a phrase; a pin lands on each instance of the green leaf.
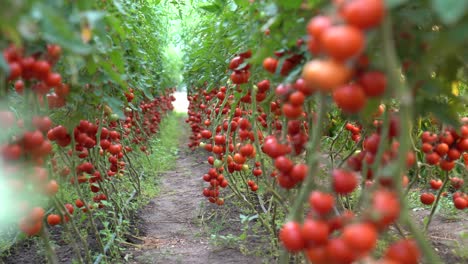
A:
(450, 11)
(289, 4)
(58, 30)
(118, 60)
(213, 8)
(116, 105)
(446, 113)
(242, 3)
(116, 25)
(107, 67)
(147, 93)
(394, 3)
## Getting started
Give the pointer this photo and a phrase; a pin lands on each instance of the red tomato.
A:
(374, 83)
(53, 219)
(404, 251)
(344, 182)
(315, 232)
(342, 42)
(363, 13)
(291, 237)
(361, 237)
(317, 25)
(325, 75)
(297, 98)
(321, 202)
(299, 172)
(350, 98)
(386, 206)
(339, 251)
(284, 164)
(435, 184)
(270, 64)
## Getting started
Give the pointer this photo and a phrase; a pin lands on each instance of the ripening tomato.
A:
(53, 80)
(284, 164)
(447, 165)
(30, 228)
(318, 255)
(53, 219)
(246, 150)
(435, 184)
(291, 111)
(315, 232)
(236, 62)
(427, 198)
(426, 147)
(350, 98)
(344, 182)
(299, 172)
(361, 237)
(317, 25)
(19, 86)
(460, 203)
(363, 14)
(442, 149)
(456, 182)
(291, 237)
(340, 252)
(325, 75)
(79, 203)
(386, 206)
(239, 159)
(374, 83)
(32, 139)
(321, 202)
(342, 42)
(297, 98)
(270, 64)
(403, 251)
(453, 154)
(51, 188)
(432, 158)
(70, 208)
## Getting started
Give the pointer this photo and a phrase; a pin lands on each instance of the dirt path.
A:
(171, 220)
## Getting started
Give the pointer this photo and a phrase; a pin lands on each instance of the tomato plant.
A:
(336, 69)
(320, 117)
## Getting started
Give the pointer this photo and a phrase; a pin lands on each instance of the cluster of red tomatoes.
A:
(341, 38)
(355, 131)
(221, 140)
(445, 150)
(241, 72)
(326, 238)
(370, 146)
(232, 130)
(271, 64)
(92, 145)
(35, 73)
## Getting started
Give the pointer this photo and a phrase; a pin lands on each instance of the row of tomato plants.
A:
(71, 138)
(270, 138)
(88, 157)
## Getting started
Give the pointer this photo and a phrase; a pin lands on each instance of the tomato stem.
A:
(51, 256)
(436, 203)
(403, 94)
(313, 161)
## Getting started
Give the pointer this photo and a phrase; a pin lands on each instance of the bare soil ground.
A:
(446, 234)
(171, 222)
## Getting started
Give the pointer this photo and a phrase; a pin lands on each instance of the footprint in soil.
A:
(169, 222)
